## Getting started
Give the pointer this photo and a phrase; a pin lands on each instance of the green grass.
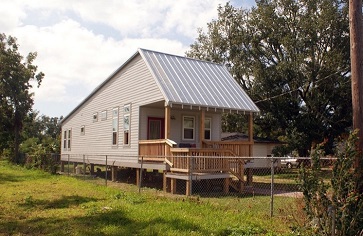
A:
(36, 203)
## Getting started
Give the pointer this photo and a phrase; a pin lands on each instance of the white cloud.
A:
(76, 57)
(11, 15)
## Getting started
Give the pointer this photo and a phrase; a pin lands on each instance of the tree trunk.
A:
(17, 130)
(356, 56)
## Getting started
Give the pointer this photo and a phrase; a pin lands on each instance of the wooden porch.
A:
(216, 159)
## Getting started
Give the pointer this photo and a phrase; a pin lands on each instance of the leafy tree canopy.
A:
(292, 58)
(16, 101)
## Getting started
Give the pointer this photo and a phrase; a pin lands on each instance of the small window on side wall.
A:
(95, 117)
(69, 139)
(114, 126)
(104, 115)
(65, 140)
(83, 131)
(127, 120)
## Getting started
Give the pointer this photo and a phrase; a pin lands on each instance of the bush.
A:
(337, 205)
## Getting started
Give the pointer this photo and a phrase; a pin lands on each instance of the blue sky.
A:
(80, 43)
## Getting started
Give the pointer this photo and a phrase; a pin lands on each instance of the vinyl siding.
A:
(134, 85)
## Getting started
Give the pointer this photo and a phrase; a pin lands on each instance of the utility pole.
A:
(356, 57)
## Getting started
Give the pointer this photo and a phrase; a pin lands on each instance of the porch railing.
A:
(156, 149)
(199, 160)
(214, 156)
(239, 148)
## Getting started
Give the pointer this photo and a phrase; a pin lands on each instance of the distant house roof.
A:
(194, 82)
(187, 81)
(239, 136)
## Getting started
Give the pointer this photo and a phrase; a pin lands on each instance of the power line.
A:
(298, 89)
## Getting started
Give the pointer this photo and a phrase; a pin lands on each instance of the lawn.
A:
(37, 203)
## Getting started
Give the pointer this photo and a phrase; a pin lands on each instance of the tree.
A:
(292, 58)
(16, 74)
(356, 50)
(41, 130)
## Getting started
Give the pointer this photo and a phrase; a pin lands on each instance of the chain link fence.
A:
(268, 177)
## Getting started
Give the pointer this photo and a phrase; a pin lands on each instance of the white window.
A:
(114, 125)
(69, 139)
(95, 117)
(127, 117)
(207, 128)
(188, 127)
(65, 140)
(104, 115)
(83, 131)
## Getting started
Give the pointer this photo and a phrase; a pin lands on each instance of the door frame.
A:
(162, 124)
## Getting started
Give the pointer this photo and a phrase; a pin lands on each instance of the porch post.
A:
(201, 128)
(167, 122)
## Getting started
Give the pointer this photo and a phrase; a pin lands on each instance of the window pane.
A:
(115, 112)
(126, 137)
(188, 134)
(104, 115)
(114, 138)
(207, 134)
(114, 125)
(126, 122)
(188, 122)
(207, 124)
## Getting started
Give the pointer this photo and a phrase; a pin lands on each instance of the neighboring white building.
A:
(153, 103)
(262, 149)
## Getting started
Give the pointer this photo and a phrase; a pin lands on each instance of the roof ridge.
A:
(184, 57)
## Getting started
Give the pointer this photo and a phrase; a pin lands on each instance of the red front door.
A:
(155, 128)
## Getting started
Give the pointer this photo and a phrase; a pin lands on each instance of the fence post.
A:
(84, 166)
(189, 186)
(68, 165)
(272, 188)
(191, 176)
(140, 173)
(106, 172)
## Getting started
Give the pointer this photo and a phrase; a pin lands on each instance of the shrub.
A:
(337, 205)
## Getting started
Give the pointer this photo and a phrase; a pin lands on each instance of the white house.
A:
(161, 108)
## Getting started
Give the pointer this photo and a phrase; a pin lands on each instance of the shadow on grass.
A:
(108, 222)
(63, 202)
(4, 178)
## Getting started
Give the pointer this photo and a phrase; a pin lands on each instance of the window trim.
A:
(193, 128)
(65, 135)
(83, 130)
(115, 130)
(69, 139)
(95, 117)
(104, 115)
(127, 132)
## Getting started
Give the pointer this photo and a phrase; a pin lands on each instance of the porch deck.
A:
(223, 160)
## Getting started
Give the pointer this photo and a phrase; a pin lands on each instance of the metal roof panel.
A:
(194, 82)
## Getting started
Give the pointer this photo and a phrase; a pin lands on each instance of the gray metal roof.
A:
(194, 82)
